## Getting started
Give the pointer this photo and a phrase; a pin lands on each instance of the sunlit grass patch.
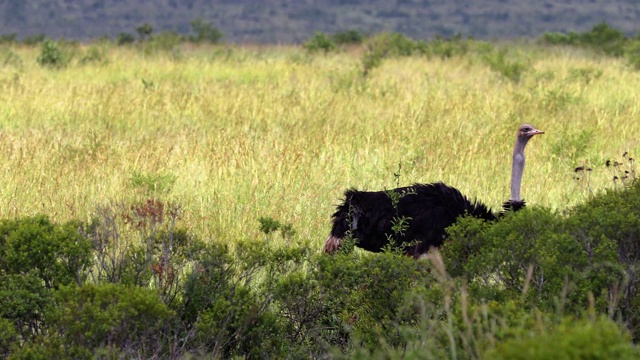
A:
(237, 134)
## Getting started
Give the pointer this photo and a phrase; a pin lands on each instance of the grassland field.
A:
(235, 133)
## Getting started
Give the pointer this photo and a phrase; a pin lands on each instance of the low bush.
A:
(122, 317)
(8, 337)
(320, 42)
(204, 32)
(557, 263)
(349, 37)
(445, 48)
(162, 42)
(607, 228)
(601, 38)
(364, 294)
(24, 299)
(125, 38)
(132, 283)
(600, 338)
(56, 254)
(51, 55)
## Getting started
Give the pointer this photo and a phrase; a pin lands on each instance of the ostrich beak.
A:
(537, 132)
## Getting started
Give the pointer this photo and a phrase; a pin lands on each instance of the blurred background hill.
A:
(293, 21)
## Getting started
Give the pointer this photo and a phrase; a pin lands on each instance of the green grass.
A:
(237, 134)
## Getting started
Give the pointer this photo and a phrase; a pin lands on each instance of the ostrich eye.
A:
(526, 129)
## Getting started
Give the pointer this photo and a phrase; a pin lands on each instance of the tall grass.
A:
(235, 134)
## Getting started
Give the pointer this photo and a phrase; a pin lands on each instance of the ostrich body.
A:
(428, 208)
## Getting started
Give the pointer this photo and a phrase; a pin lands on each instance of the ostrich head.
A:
(525, 132)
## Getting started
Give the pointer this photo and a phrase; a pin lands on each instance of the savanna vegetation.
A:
(168, 198)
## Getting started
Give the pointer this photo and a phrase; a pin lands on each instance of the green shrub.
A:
(497, 257)
(57, 254)
(51, 55)
(211, 277)
(557, 263)
(228, 296)
(607, 227)
(572, 339)
(235, 323)
(632, 52)
(90, 317)
(320, 42)
(365, 294)
(526, 254)
(205, 32)
(308, 312)
(37, 256)
(606, 39)
(166, 41)
(124, 39)
(8, 337)
(349, 37)
(394, 44)
(556, 38)
(446, 48)
(439, 319)
(24, 299)
(602, 38)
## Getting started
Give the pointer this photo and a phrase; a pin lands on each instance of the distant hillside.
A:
(292, 21)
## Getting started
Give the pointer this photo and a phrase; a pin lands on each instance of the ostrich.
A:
(428, 208)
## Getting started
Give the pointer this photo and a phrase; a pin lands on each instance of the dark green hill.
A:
(291, 21)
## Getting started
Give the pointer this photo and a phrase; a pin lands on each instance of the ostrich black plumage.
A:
(429, 209)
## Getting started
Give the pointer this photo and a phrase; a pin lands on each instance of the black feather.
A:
(430, 209)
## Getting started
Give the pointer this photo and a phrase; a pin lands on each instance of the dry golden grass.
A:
(236, 134)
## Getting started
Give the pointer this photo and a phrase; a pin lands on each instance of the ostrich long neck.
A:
(517, 167)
